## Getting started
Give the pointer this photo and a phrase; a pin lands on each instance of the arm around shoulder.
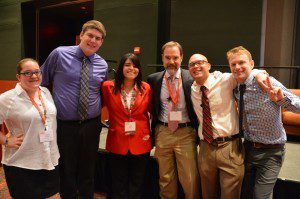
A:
(106, 89)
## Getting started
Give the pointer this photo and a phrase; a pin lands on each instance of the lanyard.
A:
(42, 115)
(174, 99)
(132, 100)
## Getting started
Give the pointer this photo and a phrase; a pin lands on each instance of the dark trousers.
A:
(262, 167)
(78, 144)
(128, 175)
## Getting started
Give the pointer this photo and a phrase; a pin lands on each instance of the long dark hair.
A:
(119, 78)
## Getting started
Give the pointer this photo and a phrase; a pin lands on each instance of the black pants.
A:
(31, 184)
(128, 175)
(78, 144)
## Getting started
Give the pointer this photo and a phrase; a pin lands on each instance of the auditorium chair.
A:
(291, 121)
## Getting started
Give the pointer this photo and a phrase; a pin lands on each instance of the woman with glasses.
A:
(30, 155)
(127, 99)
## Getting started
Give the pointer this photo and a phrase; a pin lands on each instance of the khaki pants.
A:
(221, 167)
(177, 158)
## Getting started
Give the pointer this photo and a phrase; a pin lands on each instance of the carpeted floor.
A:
(4, 193)
(3, 188)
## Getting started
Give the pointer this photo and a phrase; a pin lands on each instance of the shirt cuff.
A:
(284, 102)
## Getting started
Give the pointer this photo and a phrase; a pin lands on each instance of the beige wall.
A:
(279, 38)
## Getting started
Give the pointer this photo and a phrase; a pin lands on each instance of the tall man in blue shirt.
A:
(78, 132)
(264, 134)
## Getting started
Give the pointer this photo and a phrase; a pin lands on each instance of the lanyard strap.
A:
(176, 98)
(42, 115)
(132, 100)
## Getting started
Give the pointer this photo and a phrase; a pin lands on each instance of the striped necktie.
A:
(207, 128)
(84, 90)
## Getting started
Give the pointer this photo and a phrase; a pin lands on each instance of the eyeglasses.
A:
(199, 63)
(30, 73)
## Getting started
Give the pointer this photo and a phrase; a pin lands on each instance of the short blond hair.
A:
(238, 50)
(172, 44)
(94, 24)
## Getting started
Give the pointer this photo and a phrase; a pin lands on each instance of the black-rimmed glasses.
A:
(30, 73)
(199, 63)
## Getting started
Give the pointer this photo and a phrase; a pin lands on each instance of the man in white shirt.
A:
(221, 160)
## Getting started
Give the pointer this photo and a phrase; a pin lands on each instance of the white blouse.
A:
(21, 117)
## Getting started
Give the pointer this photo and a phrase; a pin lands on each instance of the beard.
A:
(172, 69)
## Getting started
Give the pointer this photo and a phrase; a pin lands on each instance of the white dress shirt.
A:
(222, 105)
(164, 96)
(21, 117)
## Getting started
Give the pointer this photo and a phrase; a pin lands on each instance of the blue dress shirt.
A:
(62, 71)
(262, 117)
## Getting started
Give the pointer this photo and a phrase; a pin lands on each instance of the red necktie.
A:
(207, 121)
(173, 125)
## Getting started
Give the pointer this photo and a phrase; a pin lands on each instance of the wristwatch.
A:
(6, 142)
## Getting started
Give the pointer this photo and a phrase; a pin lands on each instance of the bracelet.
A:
(6, 142)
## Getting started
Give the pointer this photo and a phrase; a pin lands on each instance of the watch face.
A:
(6, 142)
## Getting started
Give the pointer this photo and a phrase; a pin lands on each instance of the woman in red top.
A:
(127, 99)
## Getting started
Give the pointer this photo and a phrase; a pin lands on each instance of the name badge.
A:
(46, 136)
(175, 116)
(130, 128)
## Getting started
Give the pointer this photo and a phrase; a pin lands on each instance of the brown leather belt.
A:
(259, 145)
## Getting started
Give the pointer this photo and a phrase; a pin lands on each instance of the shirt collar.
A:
(80, 54)
(177, 74)
(20, 90)
(207, 83)
(249, 79)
